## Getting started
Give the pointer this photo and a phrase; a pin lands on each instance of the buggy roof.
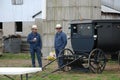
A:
(94, 21)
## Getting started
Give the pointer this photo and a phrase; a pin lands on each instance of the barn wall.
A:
(1, 49)
(63, 11)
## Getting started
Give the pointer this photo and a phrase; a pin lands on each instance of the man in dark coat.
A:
(59, 43)
(34, 39)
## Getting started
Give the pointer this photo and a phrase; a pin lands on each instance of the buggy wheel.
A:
(66, 52)
(97, 61)
(119, 58)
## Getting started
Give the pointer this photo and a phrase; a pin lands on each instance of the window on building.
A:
(1, 26)
(18, 26)
(17, 2)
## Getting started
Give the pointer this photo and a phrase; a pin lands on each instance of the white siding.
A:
(9, 12)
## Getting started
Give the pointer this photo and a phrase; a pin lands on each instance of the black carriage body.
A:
(89, 34)
(89, 40)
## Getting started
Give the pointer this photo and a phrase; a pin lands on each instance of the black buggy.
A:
(91, 41)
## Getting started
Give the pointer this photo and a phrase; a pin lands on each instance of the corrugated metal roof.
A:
(106, 9)
(114, 4)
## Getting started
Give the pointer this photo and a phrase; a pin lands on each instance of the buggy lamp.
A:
(95, 37)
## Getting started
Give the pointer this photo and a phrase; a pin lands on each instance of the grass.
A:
(108, 74)
(8, 56)
(70, 77)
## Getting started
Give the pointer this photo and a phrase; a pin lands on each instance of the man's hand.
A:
(34, 40)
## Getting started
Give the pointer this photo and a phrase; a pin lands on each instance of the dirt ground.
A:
(114, 67)
(27, 63)
(19, 63)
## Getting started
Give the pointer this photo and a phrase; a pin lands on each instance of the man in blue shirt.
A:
(59, 43)
(34, 39)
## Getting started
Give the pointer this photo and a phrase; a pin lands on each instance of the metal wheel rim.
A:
(119, 58)
(63, 53)
(97, 61)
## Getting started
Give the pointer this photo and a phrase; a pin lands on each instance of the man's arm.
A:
(64, 38)
(29, 39)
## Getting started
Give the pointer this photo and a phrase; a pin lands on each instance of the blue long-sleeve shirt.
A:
(60, 40)
(38, 43)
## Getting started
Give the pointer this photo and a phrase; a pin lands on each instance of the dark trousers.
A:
(38, 54)
(60, 59)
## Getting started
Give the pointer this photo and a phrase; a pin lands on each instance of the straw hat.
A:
(34, 27)
(58, 26)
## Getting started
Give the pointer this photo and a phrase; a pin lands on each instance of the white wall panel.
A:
(24, 12)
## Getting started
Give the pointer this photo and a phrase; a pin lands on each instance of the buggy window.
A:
(74, 29)
(85, 29)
